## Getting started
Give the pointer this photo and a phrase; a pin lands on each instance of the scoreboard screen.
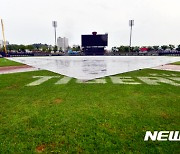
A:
(94, 40)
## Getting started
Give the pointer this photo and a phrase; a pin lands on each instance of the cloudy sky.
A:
(157, 22)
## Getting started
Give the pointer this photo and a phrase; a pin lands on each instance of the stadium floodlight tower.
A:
(54, 24)
(131, 24)
(4, 40)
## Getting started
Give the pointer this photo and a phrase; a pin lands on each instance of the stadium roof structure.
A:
(92, 67)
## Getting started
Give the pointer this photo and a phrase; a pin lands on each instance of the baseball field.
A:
(39, 113)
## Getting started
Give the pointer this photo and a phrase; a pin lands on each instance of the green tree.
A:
(123, 49)
(60, 49)
(120, 49)
(44, 48)
(55, 48)
(22, 48)
(126, 48)
(178, 48)
(164, 47)
(15, 47)
(49, 49)
(171, 46)
(114, 49)
(136, 49)
(9, 47)
(30, 47)
(76, 48)
(155, 48)
(150, 48)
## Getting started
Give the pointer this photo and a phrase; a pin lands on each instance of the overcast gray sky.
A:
(157, 22)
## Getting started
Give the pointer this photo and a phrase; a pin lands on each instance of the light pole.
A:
(131, 24)
(54, 23)
(4, 40)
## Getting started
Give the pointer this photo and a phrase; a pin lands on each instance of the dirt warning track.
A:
(16, 69)
(169, 67)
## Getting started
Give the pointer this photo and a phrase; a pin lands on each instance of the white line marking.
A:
(41, 80)
(123, 80)
(64, 80)
(157, 80)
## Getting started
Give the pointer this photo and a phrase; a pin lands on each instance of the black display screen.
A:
(94, 40)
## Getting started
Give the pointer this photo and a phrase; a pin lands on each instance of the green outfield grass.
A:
(6, 62)
(86, 118)
(177, 63)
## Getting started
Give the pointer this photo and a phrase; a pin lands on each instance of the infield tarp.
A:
(92, 67)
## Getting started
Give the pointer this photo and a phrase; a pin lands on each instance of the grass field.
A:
(6, 62)
(177, 63)
(86, 118)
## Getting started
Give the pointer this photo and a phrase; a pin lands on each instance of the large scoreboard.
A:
(94, 40)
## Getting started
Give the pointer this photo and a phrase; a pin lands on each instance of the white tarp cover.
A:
(91, 67)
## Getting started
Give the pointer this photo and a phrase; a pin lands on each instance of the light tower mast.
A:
(131, 24)
(4, 40)
(54, 24)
